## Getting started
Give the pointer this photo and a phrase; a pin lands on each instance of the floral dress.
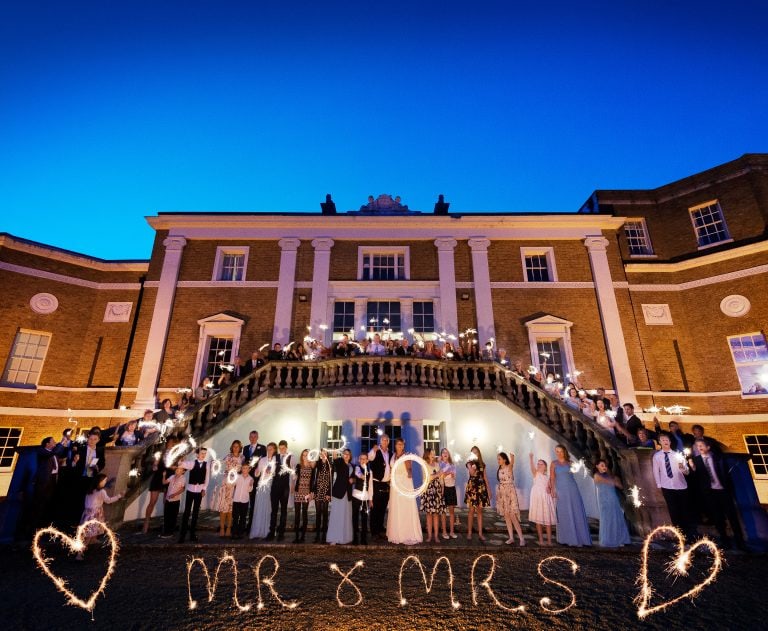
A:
(506, 494)
(476, 492)
(222, 501)
(432, 500)
(302, 485)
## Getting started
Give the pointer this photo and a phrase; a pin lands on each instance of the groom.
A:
(379, 458)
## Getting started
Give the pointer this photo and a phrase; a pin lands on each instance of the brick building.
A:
(658, 295)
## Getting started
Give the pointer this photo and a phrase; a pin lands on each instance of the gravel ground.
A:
(149, 589)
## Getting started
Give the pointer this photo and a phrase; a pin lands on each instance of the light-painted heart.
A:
(75, 545)
(679, 566)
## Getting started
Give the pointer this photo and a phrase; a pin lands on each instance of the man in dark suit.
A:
(343, 347)
(276, 354)
(88, 458)
(254, 449)
(379, 458)
(715, 489)
(256, 361)
(46, 477)
(280, 491)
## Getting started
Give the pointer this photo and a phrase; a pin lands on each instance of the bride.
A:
(403, 522)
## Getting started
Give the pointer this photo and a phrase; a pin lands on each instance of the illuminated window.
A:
(709, 224)
(25, 362)
(383, 317)
(750, 355)
(231, 263)
(432, 437)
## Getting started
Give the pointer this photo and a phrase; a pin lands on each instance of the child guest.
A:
(175, 484)
(94, 509)
(541, 510)
(241, 500)
(448, 472)
(362, 500)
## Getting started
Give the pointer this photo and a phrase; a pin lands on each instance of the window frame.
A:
(421, 330)
(436, 426)
(762, 452)
(350, 330)
(757, 362)
(363, 251)
(29, 385)
(4, 446)
(646, 235)
(549, 255)
(224, 250)
(379, 327)
(698, 207)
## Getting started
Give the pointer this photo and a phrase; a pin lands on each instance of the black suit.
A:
(279, 493)
(341, 486)
(249, 452)
(46, 477)
(84, 468)
(718, 503)
(377, 466)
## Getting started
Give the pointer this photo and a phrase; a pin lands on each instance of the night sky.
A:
(110, 111)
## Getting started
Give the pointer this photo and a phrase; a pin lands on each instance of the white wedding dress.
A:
(403, 523)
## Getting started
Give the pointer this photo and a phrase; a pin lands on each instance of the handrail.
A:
(580, 433)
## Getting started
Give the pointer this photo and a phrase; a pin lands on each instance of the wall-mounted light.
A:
(465, 295)
(302, 298)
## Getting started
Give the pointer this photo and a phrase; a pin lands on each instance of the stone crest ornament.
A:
(657, 315)
(44, 303)
(384, 203)
(735, 306)
(118, 312)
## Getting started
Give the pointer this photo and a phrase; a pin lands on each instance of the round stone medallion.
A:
(44, 303)
(735, 306)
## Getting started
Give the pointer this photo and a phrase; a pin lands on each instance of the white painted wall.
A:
(486, 424)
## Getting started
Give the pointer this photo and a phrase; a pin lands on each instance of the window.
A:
(551, 358)
(333, 436)
(539, 265)
(383, 317)
(231, 263)
(431, 437)
(343, 318)
(9, 440)
(750, 355)
(757, 446)
(638, 241)
(25, 362)
(423, 317)
(709, 223)
(369, 435)
(383, 263)
(219, 355)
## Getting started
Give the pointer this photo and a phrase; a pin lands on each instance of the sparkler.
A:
(425, 475)
(427, 585)
(531, 435)
(232, 476)
(486, 583)
(270, 582)
(254, 461)
(652, 410)
(499, 448)
(577, 466)
(263, 346)
(157, 455)
(677, 410)
(678, 566)
(76, 545)
(634, 495)
(345, 579)
(211, 587)
(313, 455)
(545, 602)
(134, 473)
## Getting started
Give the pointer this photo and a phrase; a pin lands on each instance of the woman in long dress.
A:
(403, 522)
(572, 525)
(222, 500)
(613, 526)
(262, 508)
(476, 494)
(506, 497)
(340, 520)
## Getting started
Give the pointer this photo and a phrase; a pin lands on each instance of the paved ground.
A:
(149, 588)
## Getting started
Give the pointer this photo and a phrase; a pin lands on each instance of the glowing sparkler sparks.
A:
(652, 410)
(76, 545)
(425, 476)
(211, 587)
(133, 473)
(678, 566)
(232, 476)
(263, 346)
(313, 455)
(634, 495)
(427, 585)
(379, 431)
(545, 602)
(531, 435)
(577, 466)
(677, 410)
(254, 461)
(215, 467)
(486, 583)
(157, 455)
(345, 579)
(687, 452)
(267, 475)
(270, 582)
(499, 448)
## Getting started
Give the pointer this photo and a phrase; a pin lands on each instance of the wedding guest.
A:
(256, 361)
(586, 405)
(572, 525)
(476, 494)
(157, 481)
(197, 483)
(262, 510)
(403, 522)
(678, 440)
(362, 502)
(670, 471)
(320, 486)
(251, 454)
(379, 458)
(340, 523)
(204, 390)
(432, 500)
(222, 495)
(241, 498)
(174, 489)
(541, 509)
(166, 413)
(631, 421)
(643, 440)
(89, 458)
(698, 432)
(45, 481)
(448, 473)
(507, 504)
(302, 496)
(716, 491)
(280, 491)
(94, 510)
(130, 434)
(613, 526)
(276, 354)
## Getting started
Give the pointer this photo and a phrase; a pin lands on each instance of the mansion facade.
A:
(660, 296)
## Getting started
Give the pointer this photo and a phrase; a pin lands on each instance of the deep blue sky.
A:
(110, 111)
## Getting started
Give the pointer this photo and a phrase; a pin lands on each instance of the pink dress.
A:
(542, 507)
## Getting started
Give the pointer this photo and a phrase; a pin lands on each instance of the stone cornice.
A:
(699, 261)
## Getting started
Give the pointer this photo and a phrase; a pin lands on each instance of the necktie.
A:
(667, 464)
(711, 471)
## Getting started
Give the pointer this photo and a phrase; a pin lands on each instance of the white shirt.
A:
(677, 482)
(175, 484)
(375, 348)
(197, 488)
(385, 455)
(243, 488)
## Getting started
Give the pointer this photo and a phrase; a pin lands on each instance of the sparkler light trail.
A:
(427, 584)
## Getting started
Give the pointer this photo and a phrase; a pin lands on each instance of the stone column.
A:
(482, 282)
(285, 286)
(611, 321)
(161, 320)
(319, 309)
(448, 319)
